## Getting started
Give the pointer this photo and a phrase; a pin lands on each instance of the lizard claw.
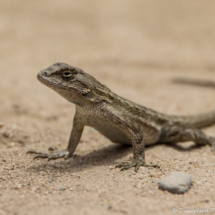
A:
(39, 154)
(61, 154)
(134, 163)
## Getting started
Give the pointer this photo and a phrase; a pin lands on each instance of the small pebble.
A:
(17, 187)
(35, 189)
(10, 145)
(42, 173)
(151, 175)
(51, 148)
(62, 188)
(176, 182)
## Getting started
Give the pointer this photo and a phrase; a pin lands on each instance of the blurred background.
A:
(120, 42)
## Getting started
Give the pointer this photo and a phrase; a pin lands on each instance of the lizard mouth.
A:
(53, 85)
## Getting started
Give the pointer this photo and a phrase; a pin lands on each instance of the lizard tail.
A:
(196, 121)
(201, 120)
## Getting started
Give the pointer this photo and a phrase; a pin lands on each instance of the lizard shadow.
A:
(181, 148)
(101, 157)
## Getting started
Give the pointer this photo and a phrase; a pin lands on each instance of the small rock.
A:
(12, 144)
(42, 173)
(176, 182)
(151, 175)
(51, 148)
(17, 187)
(111, 167)
(62, 188)
(35, 189)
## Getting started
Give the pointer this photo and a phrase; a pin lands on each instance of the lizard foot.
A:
(61, 154)
(134, 163)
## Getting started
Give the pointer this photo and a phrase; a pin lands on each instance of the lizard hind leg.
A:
(175, 133)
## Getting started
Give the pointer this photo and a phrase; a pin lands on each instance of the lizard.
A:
(118, 119)
(195, 82)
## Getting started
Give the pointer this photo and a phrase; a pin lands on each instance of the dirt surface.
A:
(135, 48)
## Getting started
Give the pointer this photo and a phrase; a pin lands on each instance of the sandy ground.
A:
(135, 48)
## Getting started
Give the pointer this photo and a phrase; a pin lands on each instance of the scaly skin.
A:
(119, 119)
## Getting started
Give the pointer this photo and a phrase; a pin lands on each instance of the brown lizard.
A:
(117, 118)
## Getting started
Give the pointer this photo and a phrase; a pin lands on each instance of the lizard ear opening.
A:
(91, 96)
(80, 87)
(94, 97)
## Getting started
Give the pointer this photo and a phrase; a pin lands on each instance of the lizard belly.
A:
(108, 129)
(117, 135)
(113, 133)
(151, 134)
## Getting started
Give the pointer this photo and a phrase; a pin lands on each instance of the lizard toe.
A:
(61, 154)
(41, 156)
(34, 152)
(134, 163)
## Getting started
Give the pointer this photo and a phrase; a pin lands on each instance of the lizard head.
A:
(74, 84)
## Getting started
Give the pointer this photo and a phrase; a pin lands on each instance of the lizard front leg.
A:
(75, 137)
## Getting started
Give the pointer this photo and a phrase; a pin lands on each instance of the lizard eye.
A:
(67, 74)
